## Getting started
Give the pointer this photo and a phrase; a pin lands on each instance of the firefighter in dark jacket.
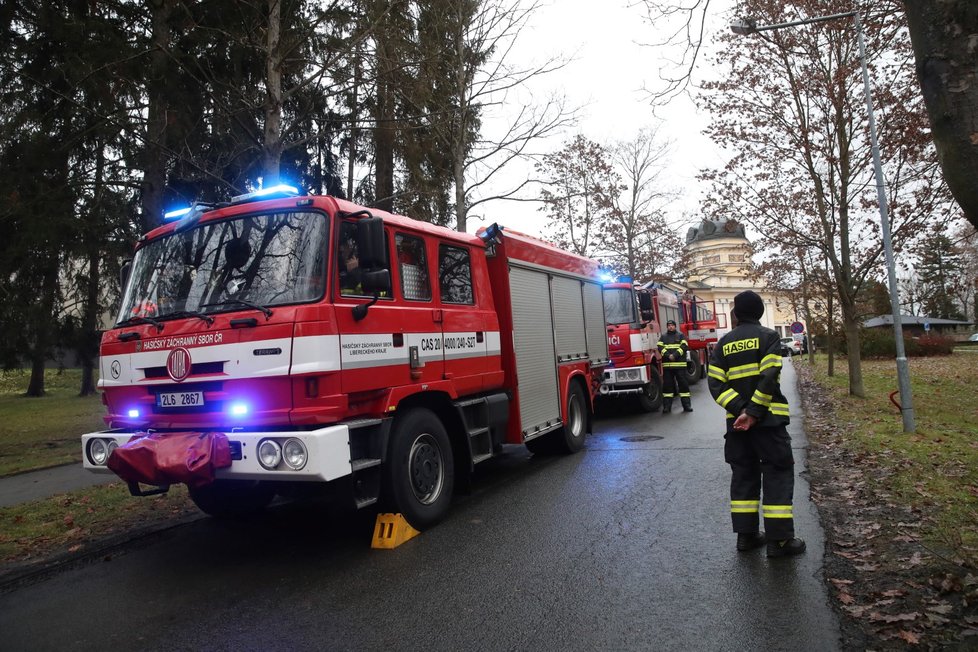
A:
(673, 348)
(744, 375)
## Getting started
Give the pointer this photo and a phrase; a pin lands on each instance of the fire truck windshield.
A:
(270, 259)
(619, 306)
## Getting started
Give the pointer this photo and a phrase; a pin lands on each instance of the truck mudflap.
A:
(161, 460)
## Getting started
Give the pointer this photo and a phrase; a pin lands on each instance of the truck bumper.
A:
(327, 454)
(623, 380)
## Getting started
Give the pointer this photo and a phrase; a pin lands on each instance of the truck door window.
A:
(455, 275)
(348, 261)
(412, 265)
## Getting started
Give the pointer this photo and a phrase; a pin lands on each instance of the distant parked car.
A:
(973, 338)
(790, 346)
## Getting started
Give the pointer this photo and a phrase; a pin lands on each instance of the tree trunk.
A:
(831, 332)
(354, 124)
(87, 346)
(851, 326)
(154, 165)
(42, 320)
(944, 35)
(272, 145)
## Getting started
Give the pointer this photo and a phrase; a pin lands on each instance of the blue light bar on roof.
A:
(172, 215)
(281, 189)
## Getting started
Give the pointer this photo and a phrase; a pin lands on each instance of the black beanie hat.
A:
(670, 322)
(748, 305)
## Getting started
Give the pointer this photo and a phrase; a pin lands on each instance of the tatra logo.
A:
(178, 364)
(115, 368)
(737, 346)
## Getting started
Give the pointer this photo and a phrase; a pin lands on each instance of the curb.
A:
(29, 573)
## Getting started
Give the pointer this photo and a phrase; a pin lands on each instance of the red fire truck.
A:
(633, 331)
(283, 344)
(698, 322)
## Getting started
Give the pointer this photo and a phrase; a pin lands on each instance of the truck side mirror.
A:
(376, 281)
(371, 243)
(124, 273)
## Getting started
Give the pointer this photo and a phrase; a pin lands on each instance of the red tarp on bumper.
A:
(163, 459)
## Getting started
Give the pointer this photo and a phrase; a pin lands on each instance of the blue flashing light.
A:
(624, 279)
(606, 277)
(172, 215)
(239, 409)
(282, 189)
(133, 414)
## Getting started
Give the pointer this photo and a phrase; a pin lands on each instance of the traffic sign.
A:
(797, 327)
(926, 324)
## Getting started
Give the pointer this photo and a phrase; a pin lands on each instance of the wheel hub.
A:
(426, 469)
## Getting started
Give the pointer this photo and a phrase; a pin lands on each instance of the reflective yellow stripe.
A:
(781, 409)
(777, 511)
(664, 395)
(770, 361)
(686, 394)
(761, 398)
(719, 374)
(674, 365)
(744, 506)
(726, 397)
(743, 371)
(731, 416)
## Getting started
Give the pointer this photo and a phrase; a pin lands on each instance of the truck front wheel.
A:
(420, 469)
(694, 371)
(650, 398)
(232, 498)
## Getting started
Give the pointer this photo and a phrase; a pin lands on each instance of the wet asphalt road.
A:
(625, 546)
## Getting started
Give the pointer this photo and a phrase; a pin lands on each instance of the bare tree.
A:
(580, 192)
(634, 233)
(790, 106)
(947, 71)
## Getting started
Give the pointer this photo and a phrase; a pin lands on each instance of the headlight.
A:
(98, 452)
(269, 453)
(294, 454)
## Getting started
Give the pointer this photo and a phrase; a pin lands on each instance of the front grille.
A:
(196, 369)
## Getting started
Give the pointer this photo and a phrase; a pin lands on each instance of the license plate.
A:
(180, 399)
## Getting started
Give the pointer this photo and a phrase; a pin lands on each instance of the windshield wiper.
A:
(141, 320)
(179, 314)
(241, 302)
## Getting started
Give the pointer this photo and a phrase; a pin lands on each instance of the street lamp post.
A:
(746, 26)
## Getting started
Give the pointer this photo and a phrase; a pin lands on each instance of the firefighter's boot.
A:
(666, 405)
(687, 407)
(750, 541)
(786, 548)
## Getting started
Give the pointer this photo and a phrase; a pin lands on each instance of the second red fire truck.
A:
(636, 316)
(279, 344)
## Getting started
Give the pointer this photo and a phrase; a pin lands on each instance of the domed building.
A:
(719, 259)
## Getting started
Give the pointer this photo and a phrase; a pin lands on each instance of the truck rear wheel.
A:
(650, 399)
(420, 470)
(570, 437)
(232, 498)
(694, 371)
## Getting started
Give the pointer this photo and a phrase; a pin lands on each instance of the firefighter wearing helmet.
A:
(673, 347)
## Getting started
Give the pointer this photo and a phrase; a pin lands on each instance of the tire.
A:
(694, 371)
(420, 468)
(650, 400)
(232, 498)
(570, 438)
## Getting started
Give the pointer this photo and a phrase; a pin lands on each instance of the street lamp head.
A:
(743, 26)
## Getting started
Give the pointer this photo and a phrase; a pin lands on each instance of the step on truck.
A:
(281, 344)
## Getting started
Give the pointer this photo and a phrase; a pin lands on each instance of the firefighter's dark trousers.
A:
(673, 378)
(761, 457)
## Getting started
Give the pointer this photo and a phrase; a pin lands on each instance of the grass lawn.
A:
(934, 469)
(36, 433)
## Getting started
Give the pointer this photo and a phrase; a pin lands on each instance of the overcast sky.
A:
(606, 78)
